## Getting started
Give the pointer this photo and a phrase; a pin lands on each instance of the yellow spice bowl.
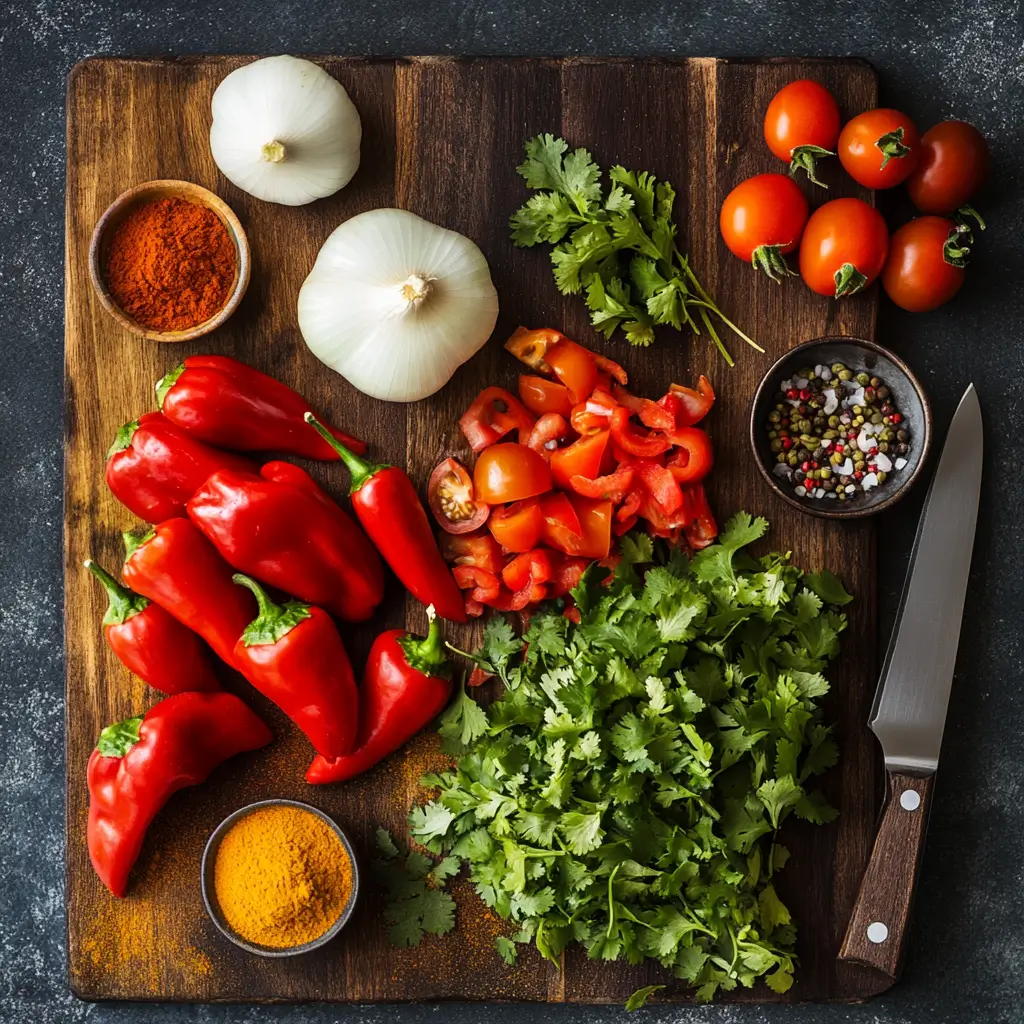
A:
(210, 892)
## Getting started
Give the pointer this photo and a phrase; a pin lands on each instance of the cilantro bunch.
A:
(627, 789)
(618, 249)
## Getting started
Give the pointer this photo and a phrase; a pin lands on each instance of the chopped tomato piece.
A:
(582, 458)
(559, 513)
(531, 347)
(694, 456)
(695, 404)
(547, 432)
(510, 472)
(659, 483)
(540, 395)
(517, 527)
(703, 529)
(493, 414)
(477, 549)
(615, 486)
(574, 366)
(530, 567)
(567, 575)
(483, 585)
(612, 368)
(478, 676)
(634, 441)
(596, 523)
(452, 499)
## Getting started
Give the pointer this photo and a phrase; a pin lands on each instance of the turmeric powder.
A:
(282, 877)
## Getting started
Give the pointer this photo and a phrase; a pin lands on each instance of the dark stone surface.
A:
(936, 60)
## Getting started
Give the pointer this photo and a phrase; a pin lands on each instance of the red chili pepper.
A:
(389, 509)
(279, 526)
(233, 405)
(493, 414)
(176, 567)
(405, 684)
(139, 763)
(293, 655)
(633, 441)
(154, 467)
(151, 643)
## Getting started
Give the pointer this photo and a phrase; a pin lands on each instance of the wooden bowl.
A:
(210, 894)
(135, 197)
(911, 401)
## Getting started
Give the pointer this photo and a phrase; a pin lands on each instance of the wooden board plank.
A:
(442, 137)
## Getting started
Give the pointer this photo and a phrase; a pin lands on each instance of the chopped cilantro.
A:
(626, 790)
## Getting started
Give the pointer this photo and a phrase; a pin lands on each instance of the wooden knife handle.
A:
(877, 931)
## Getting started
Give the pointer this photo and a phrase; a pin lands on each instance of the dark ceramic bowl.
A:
(858, 355)
(210, 895)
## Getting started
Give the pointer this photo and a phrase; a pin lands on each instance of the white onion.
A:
(396, 304)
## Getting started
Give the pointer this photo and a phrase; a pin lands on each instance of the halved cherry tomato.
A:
(541, 396)
(574, 366)
(567, 574)
(493, 414)
(510, 472)
(693, 405)
(954, 164)
(614, 486)
(694, 456)
(659, 483)
(610, 367)
(582, 458)
(483, 585)
(844, 247)
(476, 549)
(651, 414)
(594, 414)
(531, 346)
(633, 441)
(596, 522)
(551, 428)
(559, 514)
(801, 125)
(452, 499)
(703, 529)
(517, 527)
(534, 566)
(880, 148)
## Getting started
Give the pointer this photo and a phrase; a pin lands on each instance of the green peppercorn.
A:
(876, 417)
(838, 367)
(792, 458)
(776, 445)
(774, 416)
(857, 410)
(881, 476)
(845, 375)
(863, 379)
(876, 382)
(858, 421)
(781, 457)
(883, 446)
(836, 459)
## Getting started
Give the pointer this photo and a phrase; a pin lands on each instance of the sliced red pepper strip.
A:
(703, 529)
(695, 404)
(502, 601)
(621, 526)
(659, 483)
(530, 567)
(559, 514)
(612, 368)
(632, 440)
(479, 549)
(532, 593)
(615, 486)
(567, 575)
(594, 414)
(478, 676)
(630, 505)
(694, 457)
(551, 428)
(474, 609)
(651, 414)
(494, 413)
(484, 584)
(582, 458)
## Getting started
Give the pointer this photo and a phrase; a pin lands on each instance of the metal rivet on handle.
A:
(877, 932)
(910, 800)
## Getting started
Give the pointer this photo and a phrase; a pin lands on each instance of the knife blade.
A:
(909, 711)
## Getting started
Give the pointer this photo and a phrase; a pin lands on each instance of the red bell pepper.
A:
(176, 567)
(595, 540)
(659, 483)
(493, 414)
(694, 405)
(535, 566)
(154, 467)
(615, 486)
(651, 414)
(151, 643)
(228, 403)
(633, 441)
(389, 509)
(273, 526)
(405, 685)
(567, 574)
(293, 655)
(139, 763)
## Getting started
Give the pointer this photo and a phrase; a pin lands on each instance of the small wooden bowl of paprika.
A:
(169, 260)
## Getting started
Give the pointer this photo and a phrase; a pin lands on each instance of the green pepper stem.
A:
(134, 541)
(123, 603)
(166, 382)
(273, 621)
(360, 469)
(426, 655)
(266, 606)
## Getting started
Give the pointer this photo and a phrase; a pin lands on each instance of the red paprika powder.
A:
(171, 264)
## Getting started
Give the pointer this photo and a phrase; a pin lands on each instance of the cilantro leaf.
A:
(507, 949)
(462, 722)
(639, 998)
(827, 587)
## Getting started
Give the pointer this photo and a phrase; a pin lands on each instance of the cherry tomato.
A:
(694, 456)
(452, 499)
(693, 405)
(479, 549)
(762, 220)
(879, 148)
(582, 458)
(574, 366)
(542, 396)
(493, 414)
(926, 263)
(954, 164)
(510, 472)
(517, 527)
(844, 247)
(596, 522)
(801, 125)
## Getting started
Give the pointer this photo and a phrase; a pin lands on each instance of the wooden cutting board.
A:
(442, 137)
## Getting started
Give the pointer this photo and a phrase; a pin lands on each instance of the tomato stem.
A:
(805, 158)
(769, 258)
(849, 280)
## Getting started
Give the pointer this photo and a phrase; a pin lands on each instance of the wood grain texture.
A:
(442, 137)
(887, 889)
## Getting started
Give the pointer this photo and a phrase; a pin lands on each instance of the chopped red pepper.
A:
(704, 529)
(551, 428)
(483, 584)
(633, 441)
(530, 567)
(612, 368)
(531, 346)
(695, 404)
(493, 414)
(595, 519)
(594, 414)
(651, 413)
(694, 457)
(567, 574)
(659, 483)
(532, 593)
(615, 486)
(479, 549)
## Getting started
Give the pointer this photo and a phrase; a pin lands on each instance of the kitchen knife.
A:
(913, 692)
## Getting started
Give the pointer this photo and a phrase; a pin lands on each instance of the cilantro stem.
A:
(611, 900)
